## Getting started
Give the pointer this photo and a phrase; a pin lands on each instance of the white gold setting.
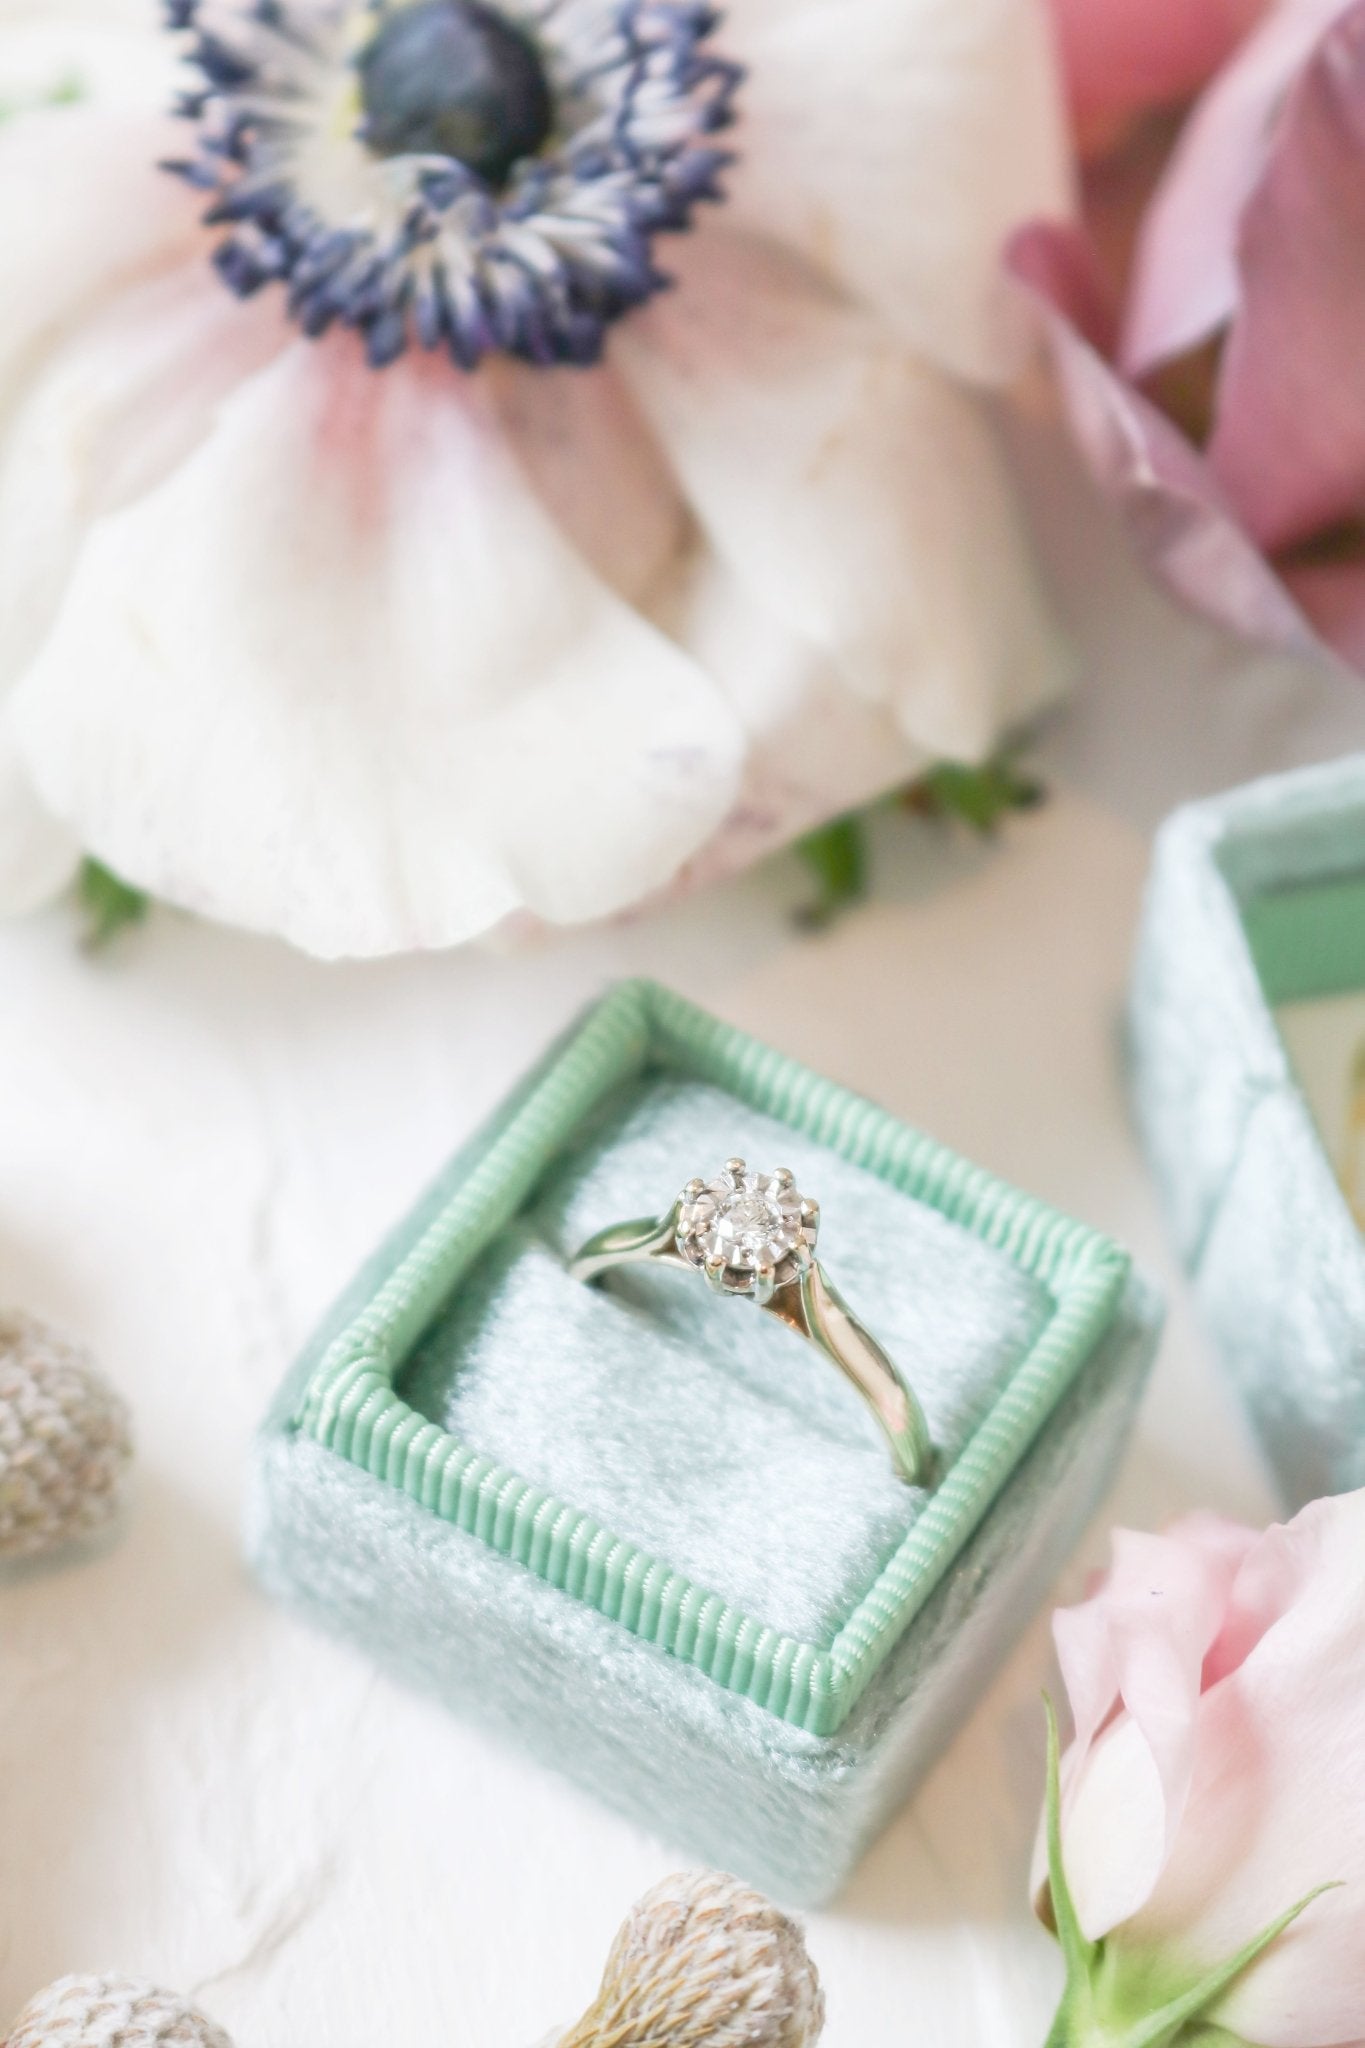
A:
(752, 1238)
(747, 1231)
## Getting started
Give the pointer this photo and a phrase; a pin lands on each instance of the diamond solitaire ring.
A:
(752, 1236)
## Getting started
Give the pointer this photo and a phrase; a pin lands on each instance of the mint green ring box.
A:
(1257, 902)
(652, 1536)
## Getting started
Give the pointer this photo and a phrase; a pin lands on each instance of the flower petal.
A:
(1175, 514)
(1185, 285)
(1277, 1805)
(1139, 1644)
(815, 752)
(897, 147)
(1332, 596)
(1289, 439)
(38, 857)
(1119, 59)
(83, 210)
(143, 16)
(597, 469)
(112, 52)
(858, 493)
(341, 676)
(107, 416)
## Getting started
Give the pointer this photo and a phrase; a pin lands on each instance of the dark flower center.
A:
(454, 78)
(472, 176)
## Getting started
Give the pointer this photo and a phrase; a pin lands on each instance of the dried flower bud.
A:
(703, 1962)
(112, 2012)
(64, 1441)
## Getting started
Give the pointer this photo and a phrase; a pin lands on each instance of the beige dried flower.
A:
(704, 1962)
(64, 1441)
(112, 2012)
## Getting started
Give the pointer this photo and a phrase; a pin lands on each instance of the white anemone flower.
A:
(386, 554)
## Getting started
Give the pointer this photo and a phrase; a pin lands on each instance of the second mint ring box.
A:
(1247, 1036)
(646, 1532)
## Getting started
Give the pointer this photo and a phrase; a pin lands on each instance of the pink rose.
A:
(1208, 352)
(1215, 1782)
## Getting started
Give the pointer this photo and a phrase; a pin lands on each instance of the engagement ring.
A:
(752, 1236)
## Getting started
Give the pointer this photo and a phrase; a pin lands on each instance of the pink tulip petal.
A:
(1277, 1803)
(1166, 495)
(1139, 1644)
(1332, 597)
(1186, 283)
(1119, 58)
(1289, 442)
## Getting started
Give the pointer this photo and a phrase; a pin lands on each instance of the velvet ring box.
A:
(1248, 1058)
(651, 1534)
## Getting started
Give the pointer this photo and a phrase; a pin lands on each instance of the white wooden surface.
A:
(200, 1137)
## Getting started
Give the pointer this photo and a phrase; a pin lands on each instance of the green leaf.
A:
(1157, 2029)
(66, 91)
(837, 856)
(981, 797)
(108, 905)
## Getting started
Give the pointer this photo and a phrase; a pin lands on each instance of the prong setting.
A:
(749, 1233)
(714, 1269)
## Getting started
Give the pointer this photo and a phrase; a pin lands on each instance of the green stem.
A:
(1078, 1953)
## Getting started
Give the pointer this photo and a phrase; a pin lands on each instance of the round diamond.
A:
(748, 1220)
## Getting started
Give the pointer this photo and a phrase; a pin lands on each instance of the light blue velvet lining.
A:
(700, 1429)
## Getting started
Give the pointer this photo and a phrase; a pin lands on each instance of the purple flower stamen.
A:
(465, 175)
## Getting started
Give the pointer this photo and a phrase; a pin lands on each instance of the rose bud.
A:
(1203, 1862)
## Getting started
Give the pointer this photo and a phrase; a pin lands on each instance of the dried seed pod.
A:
(112, 2012)
(703, 1962)
(64, 1441)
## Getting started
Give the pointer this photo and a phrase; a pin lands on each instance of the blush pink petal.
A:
(1289, 439)
(114, 406)
(896, 145)
(1277, 1801)
(340, 675)
(597, 471)
(1139, 1645)
(1185, 283)
(1176, 517)
(1118, 57)
(1144, 1634)
(852, 488)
